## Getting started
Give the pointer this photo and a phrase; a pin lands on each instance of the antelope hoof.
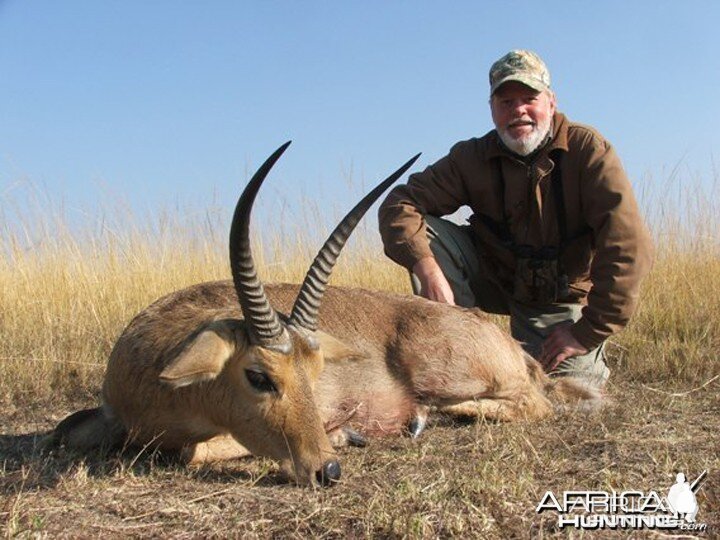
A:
(329, 475)
(345, 436)
(417, 425)
(354, 438)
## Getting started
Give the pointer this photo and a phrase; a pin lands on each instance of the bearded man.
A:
(555, 240)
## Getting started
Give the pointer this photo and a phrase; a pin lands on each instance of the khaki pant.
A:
(453, 248)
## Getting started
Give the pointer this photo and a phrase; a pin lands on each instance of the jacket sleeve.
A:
(623, 245)
(438, 190)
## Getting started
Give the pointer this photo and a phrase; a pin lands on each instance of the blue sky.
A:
(162, 103)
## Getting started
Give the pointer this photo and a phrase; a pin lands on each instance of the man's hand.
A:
(558, 346)
(433, 284)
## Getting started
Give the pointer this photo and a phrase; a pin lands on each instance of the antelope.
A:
(215, 372)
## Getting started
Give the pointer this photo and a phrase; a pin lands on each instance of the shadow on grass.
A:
(30, 462)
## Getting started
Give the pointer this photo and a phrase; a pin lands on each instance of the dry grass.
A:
(478, 480)
(66, 295)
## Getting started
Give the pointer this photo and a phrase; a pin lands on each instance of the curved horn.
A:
(305, 311)
(264, 325)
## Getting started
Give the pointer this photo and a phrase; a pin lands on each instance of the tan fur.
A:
(220, 448)
(176, 377)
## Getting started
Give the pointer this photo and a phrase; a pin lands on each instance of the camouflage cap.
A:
(522, 66)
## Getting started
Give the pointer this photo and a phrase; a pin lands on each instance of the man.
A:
(556, 240)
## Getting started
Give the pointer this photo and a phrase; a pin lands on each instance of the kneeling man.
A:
(555, 241)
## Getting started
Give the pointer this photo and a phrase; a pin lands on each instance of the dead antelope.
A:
(216, 372)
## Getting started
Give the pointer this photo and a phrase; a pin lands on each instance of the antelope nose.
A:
(329, 474)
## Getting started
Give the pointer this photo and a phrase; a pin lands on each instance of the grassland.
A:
(66, 295)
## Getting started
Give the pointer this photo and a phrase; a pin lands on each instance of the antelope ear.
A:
(203, 358)
(333, 349)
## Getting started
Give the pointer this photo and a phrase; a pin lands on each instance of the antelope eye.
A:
(260, 381)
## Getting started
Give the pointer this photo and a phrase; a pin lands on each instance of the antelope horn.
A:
(305, 311)
(264, 326)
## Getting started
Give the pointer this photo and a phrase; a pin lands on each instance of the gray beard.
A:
(527, 145)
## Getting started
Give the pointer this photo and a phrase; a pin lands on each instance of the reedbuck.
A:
(216, 372)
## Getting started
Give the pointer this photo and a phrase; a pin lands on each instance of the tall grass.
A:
(675, 334)
(66, 293)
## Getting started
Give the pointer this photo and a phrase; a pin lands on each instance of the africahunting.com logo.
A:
(628, 509)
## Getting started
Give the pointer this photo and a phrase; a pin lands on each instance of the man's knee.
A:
(454, 252)
(452, 246)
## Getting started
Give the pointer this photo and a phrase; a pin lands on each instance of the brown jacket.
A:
(609, 249)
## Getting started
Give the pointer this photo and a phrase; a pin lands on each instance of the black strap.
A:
(497, 165)
(557, 188)
(501, 228)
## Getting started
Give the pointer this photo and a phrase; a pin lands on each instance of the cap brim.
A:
(527, 81)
